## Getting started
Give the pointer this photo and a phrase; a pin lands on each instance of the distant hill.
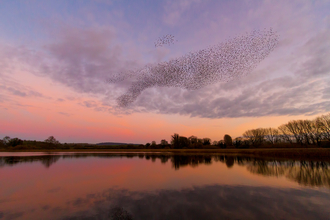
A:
(114, 143)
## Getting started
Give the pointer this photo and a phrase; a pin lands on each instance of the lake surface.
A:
(160, 186)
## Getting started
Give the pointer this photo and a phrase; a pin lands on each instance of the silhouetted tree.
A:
(14, 142)
(228, 140)
(1, 144)
(193, 139)
(153, 143)
(183, 142)
(51, 140)
(147, 144)
(221, 144)
(175, 140)
(206, 141)
(163, 142)
(238, 142)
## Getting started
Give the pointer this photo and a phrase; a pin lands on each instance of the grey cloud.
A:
(281, 96)
(13, 215)
(326, 92)
(89, 104)
(64, 113)
(16, 92)
(317, 53)
(19, 90)
(86, 58)
(13, 91)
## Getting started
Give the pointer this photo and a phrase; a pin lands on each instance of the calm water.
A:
(160, 186)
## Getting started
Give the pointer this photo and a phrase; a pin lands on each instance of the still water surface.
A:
(160, 186)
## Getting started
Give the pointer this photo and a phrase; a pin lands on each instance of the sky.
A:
(56, 58)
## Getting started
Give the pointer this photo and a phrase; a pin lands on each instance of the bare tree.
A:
(323, 123)
(292, 129)
(255, 136)
(307, 130)
(316, 132)
(285, 133)
(272, 135)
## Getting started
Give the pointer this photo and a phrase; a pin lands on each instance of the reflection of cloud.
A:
(210, 202)
(54, 190)
(12, 215)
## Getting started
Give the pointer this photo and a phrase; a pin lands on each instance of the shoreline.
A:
(280, 153)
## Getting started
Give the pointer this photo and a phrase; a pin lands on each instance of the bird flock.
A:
(166, 39)
(218, 63)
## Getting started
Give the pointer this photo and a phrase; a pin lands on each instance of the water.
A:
(160, 186)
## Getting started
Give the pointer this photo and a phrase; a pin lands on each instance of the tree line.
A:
(179, 142)
(295, 132)
(302, 132)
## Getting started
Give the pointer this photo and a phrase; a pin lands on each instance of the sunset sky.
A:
(56, 58)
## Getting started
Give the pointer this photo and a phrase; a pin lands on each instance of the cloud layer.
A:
(293, 80)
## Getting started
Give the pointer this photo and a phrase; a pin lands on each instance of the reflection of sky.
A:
(93, 185)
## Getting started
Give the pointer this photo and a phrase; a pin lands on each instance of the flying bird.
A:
(218, 63)
(166, 39)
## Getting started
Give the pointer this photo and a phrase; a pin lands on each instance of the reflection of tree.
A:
(47, 161)
(268, 168)
(164, 158)
(230, 162)
(303, 172)
(310, 173)
(118, 213)
(192, 160)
